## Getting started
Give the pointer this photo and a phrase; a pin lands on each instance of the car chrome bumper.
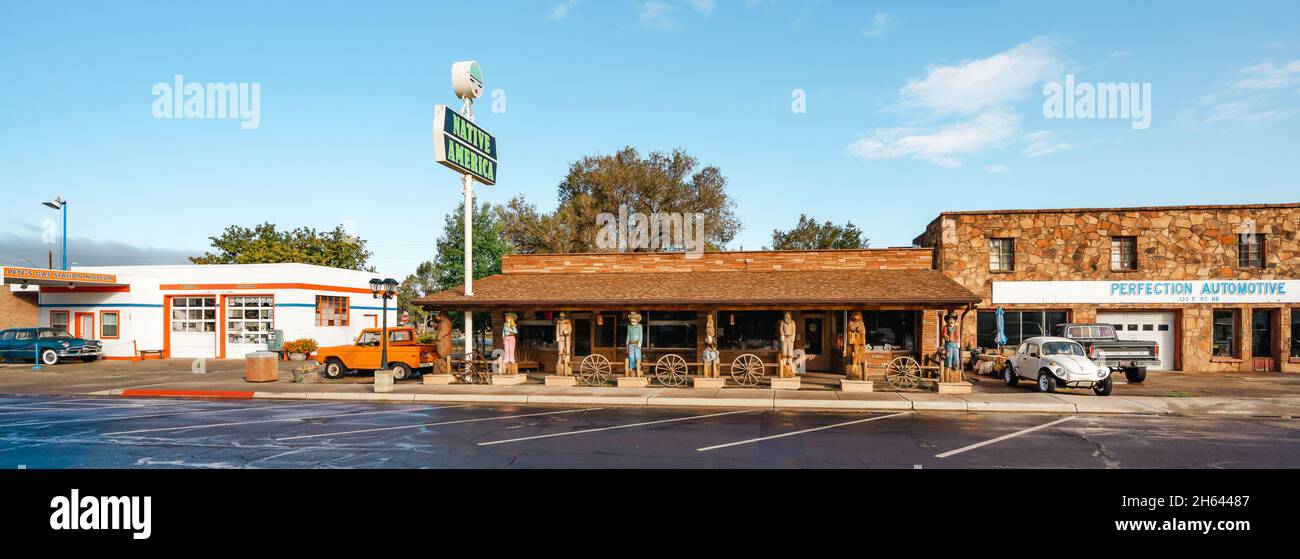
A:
(84, 351)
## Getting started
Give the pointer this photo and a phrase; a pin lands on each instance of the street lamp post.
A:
(383, 289)
(61, 204)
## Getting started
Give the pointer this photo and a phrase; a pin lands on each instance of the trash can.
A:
(261, 366)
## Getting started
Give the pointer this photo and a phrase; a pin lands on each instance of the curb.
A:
(165, 393)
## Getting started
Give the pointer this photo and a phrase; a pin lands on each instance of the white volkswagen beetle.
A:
(1057, 362)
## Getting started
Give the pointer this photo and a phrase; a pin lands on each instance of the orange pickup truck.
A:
(405, 354)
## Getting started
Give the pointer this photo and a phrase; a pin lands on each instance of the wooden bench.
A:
(150, 353)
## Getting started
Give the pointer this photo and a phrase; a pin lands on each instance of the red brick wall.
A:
(854, 259)
(17, 310)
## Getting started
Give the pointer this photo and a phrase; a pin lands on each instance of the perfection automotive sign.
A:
(1138, 292)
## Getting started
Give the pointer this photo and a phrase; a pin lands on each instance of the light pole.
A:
(385, 289)
(61, 204)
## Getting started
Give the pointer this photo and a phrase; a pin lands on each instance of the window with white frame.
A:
(59, 320)
(108, 325)
(194, 314)
(250, 319)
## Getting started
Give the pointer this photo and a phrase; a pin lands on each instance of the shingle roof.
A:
(768, 288)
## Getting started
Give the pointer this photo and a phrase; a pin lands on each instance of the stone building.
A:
(1218, 287)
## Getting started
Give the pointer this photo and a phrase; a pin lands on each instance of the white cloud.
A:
(997, 168)
(1042, 143)
(561, 10)
(656, 14)
(705, 7)
(1259, 92)
(879, 23)
(981, 83)
(940, 145)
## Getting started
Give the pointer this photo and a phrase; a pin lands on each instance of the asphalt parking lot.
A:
(88, 432)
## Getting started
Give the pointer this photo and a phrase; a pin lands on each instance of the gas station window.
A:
(108, 325)
(59, 320)
(331, 311)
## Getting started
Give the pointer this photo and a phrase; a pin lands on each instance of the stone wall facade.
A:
(1173, 243)
(17, 309)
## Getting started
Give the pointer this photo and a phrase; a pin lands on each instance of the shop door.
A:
(814, 342)
(1150, 326)
(1263, 342)
(86, 325)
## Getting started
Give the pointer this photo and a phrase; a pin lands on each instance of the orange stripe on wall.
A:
(306, 286)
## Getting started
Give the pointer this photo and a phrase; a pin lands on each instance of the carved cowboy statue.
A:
(564, 345)
(634, 337)
(787, 331)
(856, 348)
(710, 358)
(444, 343)
(951, 342)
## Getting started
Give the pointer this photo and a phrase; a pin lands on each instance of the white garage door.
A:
(194, 327)
(1153, 326)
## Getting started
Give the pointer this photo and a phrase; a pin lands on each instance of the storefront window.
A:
(606, 327)
(108, 325)
(671, 330)
(1261, 333)
(1225, 333)
(752, 329)
(890, 329)
(1295, 333)
(1019, 326)
(250, 320)
(331, 311)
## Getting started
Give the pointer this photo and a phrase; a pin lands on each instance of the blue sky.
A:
(912, 108)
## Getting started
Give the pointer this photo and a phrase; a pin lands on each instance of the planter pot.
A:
(297, 356)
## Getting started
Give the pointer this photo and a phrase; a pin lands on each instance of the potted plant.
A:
(298, 350)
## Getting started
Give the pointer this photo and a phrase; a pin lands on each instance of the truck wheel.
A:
(49, 357)
(1135, 375)
(1104, 387)
(334, 368)
(401, 371)
(1046, 382)
(1011, 376)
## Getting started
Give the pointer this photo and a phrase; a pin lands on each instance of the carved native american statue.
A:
(787, 331)
(444, 343)
(710, 357)
(564, 345)
(856, 347)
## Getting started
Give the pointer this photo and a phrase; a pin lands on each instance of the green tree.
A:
(419, 284)
(659, 182)
(264, 244)
(811, 235)
(489, 246)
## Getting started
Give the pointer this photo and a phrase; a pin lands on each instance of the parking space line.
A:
(154, 415)
(583, 431)
(1003, 437)
(433, 424)
(793, 433)
(282, 420)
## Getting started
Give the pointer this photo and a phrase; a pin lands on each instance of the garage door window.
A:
(194, 314)
(1225, 333)
(250, 319)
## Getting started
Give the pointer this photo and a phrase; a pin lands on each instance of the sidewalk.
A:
(1174, 394)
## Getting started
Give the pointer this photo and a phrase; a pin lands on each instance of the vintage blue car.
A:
(50, 345)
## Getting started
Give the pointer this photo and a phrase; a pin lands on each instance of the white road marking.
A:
(282, 420)
(1003, 437)
(567, 433)
(432, 424)
(153, 415)
(793, 433)
(30, 409)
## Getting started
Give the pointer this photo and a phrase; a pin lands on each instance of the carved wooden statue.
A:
(856, 348)
(710, 359)
(951, 343)
(444, 343)
(564, 345)
(509, 334)
(787, 331)
(634, 336)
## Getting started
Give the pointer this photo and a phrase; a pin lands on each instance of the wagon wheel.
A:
(747, 369)
(903, 373)
(473, 369)
(671, 370)
(594, 370)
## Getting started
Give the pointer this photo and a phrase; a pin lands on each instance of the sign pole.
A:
(468, 110)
